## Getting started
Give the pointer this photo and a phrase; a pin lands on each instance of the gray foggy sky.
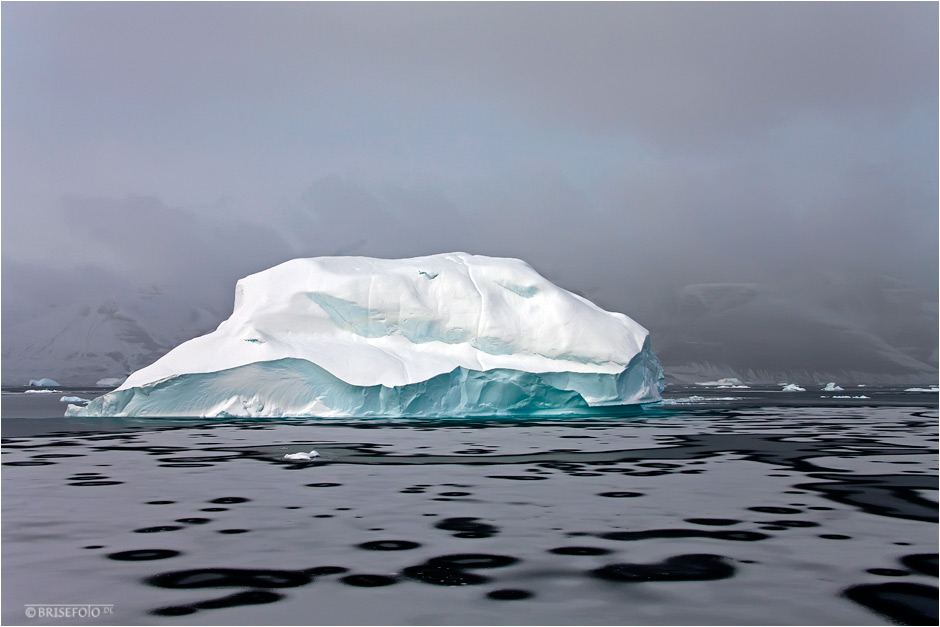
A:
(618, 147)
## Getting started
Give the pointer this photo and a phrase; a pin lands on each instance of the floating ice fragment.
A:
(727, 382)
(699, 399)
(832, 387)
(849, 397)
(73, 399)
(301, 457)
(933, 389)
(688, 399)
(793, 387)
(40, 391)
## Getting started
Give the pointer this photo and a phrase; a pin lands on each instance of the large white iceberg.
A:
(444, 335)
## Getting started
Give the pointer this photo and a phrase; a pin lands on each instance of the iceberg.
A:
(792, 387)
(44, 382)
(832, 387)
(699, 399)
(443, 335)
(301, 457)
(73, 399)
(728, 382)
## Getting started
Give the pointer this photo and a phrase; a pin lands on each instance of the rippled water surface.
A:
(718, 507)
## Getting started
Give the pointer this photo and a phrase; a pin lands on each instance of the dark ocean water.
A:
(721, 506)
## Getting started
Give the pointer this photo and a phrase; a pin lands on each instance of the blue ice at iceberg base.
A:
(299, 388)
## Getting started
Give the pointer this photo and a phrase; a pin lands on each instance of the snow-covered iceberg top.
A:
(449, 334)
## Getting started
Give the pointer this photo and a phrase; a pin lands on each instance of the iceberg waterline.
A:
(299, 388)
(443, 335)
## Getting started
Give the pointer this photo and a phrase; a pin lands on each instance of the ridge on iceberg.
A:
(443, 335)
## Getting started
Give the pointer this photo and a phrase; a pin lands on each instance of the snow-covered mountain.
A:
(134, 279)
(872, 330)
(81, 326)
(81, 342)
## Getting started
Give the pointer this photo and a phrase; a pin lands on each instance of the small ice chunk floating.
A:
(446, 335)
(301, 457)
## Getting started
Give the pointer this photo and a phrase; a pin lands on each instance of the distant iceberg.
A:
(110, 382)
(444, 335)
(688, 400)
(932, 389)
(792, 387)
(73, 399)
(728, 382)
(43, 383)
(832, 387)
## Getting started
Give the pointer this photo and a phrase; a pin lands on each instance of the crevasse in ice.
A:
(443, 335)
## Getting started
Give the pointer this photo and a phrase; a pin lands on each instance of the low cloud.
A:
(625, 150)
